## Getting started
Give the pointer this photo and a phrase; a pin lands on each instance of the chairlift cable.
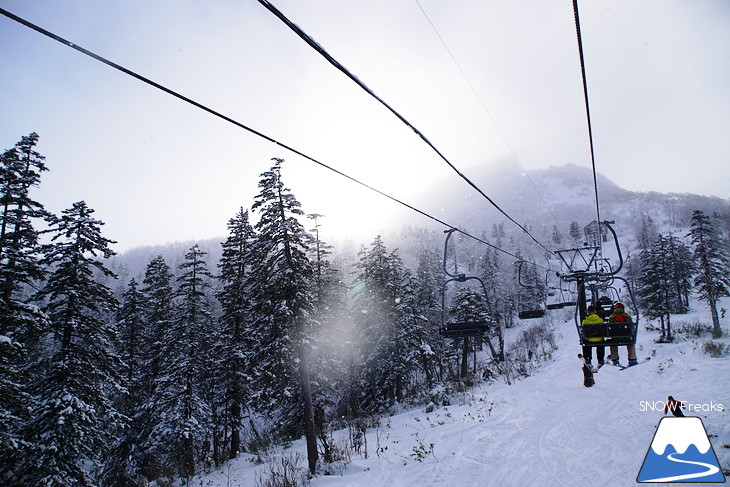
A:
(242, 126)
(486, 110)
(317, 47)
(588, 118)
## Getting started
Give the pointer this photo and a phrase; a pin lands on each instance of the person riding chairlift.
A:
(592, 318)
(619, 316)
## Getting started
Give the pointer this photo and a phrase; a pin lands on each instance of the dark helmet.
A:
(591, 309)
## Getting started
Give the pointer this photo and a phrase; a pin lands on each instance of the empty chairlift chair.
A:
(459, 329)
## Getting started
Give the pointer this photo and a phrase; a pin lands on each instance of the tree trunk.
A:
(464, 359)
(235, 421)
(669, 328)
(501, 346)
(494, 353)
(661, 320)
(309, 426)
(716, 330)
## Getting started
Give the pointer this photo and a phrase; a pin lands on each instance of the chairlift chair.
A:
(562, 302)
(524, 312)
(608, 333)
(460, 329)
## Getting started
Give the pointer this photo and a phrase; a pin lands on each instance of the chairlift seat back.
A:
(620, 329)
(596, 330)
(531, 313)
(464, 329)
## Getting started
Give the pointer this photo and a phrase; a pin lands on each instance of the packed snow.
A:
(545, 430)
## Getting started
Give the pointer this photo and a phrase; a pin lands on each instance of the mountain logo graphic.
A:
(680, 452)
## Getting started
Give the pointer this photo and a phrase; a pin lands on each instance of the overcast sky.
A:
(158, 170)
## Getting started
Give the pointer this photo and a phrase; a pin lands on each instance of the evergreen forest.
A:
(178, 368)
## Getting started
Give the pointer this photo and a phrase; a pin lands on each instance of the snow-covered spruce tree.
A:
(20, 323)
(647, 232)
(710, 252)
(331, 350)
(281, 291)
(427, 289)
(390, 335)
(557, 235)
(655, 290)
(234, 267)
(502, 293)
(182, 389)
(574, 232)
(681, 270)
(20, 170)
(149, 451)
(71, 424)
(123, 467)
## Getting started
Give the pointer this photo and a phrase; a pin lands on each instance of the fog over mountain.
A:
(537, 199)
(561, 194)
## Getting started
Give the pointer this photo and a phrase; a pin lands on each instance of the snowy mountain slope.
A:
(566, 190)
(546, 430)
(559, 195)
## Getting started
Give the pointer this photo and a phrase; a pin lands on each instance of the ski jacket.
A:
(674, 406)
(592, 319)
(618, 316)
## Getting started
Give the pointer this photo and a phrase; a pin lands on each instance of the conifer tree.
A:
(682, 269)
(574, 232)
(158, 318)
(390, 334)
(557, 235)
(70, 426)
(655, 290)
(427, 294)
(500, 294)
(20, 170)
(712, 280)
(20, 322)
(182, 389)
(332, 335)
(647, 232)
(280, 287)
(234, 267)
(123, 467)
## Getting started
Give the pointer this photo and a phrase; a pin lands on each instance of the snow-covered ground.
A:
(545, 430)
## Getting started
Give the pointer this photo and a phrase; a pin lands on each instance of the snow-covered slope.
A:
(546, 430)
(559, 195)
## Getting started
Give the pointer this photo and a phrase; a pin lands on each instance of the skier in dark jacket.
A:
(674, 406)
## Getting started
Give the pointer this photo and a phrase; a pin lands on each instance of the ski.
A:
(624, 367)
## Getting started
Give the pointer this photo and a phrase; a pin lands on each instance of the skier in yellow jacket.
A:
(593, 319)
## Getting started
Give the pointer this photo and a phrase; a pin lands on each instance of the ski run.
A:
(544, 430)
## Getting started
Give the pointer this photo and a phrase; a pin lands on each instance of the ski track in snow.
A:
(546, 430)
